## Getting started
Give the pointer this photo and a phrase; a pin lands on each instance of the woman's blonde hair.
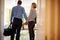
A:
(34, 5)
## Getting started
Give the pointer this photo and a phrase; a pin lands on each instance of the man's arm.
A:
(24, 13)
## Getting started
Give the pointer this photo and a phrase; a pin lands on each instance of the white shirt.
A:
(32, 15)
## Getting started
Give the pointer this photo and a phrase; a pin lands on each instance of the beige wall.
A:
(51, 26)
(40, 34)
(58, 19)
(1, 18)
(53, 19)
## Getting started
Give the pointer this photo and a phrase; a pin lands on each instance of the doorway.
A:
(8, 4)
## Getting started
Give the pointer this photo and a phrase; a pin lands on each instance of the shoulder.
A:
(32, 11)
(14, 7)
(22, 7)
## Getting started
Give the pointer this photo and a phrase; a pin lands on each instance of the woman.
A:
(32, 21)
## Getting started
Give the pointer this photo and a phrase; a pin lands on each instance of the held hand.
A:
(25, 23)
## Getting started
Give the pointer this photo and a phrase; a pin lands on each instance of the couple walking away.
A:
(16, 20)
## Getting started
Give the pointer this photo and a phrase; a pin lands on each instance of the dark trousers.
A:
(16, 28)
(31, 26)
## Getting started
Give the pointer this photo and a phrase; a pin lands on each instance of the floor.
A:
(24, 36)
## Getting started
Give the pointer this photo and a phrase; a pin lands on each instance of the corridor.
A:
(48, 19)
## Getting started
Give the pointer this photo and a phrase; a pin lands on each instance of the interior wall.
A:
(52, 19)
(52, 22)
(48, 19)
(58, 19)
(1, 18)
(40, 33)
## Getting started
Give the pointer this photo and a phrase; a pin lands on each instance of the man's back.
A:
(18, 11)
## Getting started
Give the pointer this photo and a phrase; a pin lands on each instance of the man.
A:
(16, 19)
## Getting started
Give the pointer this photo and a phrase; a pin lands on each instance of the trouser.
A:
(16, 28)
(31, 26)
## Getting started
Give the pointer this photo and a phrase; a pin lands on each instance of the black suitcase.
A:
(7, 31)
